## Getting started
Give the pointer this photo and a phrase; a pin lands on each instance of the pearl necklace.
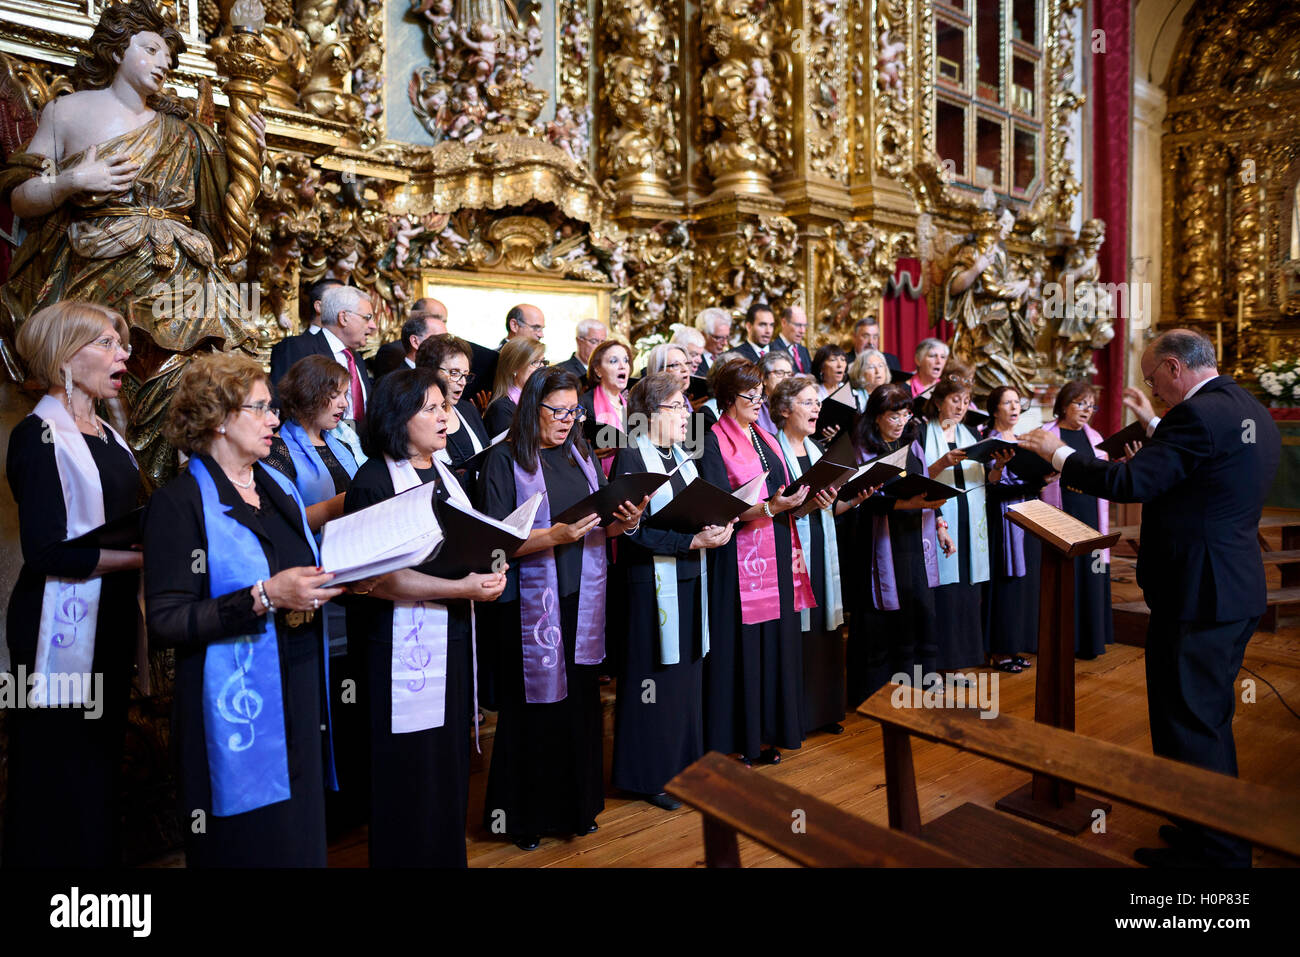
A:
(243, 485)
(758, 447)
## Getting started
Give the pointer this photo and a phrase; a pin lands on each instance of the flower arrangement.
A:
(1280, 381)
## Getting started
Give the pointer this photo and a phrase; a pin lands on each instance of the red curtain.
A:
(1111, 94)
(904, 322)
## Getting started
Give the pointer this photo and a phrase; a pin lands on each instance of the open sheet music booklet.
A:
(475, 541)
(399, 532)
(702, 504)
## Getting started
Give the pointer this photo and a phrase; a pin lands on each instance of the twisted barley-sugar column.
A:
(244, 63)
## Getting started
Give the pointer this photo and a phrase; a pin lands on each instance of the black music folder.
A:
(1114, 446)
(1029, 466)
(625, 488)
(823, 474)
(983, 450)
(475, 461)
(838, 409)
(913, 484)
(878, 471)
(122, 533)
(474, 541)
(841, 451)
(701, 504)
(898, 375)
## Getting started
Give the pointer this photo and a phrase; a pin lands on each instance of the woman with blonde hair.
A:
(233, 583)
(72, 613)
(519, 359)
(608, 370)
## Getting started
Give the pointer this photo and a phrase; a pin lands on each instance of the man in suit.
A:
(428, 318)
(589, 334)
(1203, 475)
(715, 324)
(760, 323)
(347, 320)
(526, 321)
(281, 351)
(794, 326)
(866, 335)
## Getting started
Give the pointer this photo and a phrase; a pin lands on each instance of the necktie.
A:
(354, 390)
(798, 363)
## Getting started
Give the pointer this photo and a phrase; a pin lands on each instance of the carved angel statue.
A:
(759, 88)
(441, 29)
(120, 192)
(985, 302)
(889, 63)
(481, 41)
(469, 112)
(564, 132)
(1087, 314)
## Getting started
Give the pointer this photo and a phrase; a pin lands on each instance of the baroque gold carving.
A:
(243, 60)
(827, 88)
(851, 269)
(639, 141)
(571, 129)
(754, 260)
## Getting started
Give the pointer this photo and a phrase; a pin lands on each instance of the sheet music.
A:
(752, 491)
(353, 546)
(1055, 522)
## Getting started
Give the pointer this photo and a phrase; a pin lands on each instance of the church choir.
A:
(745, 637)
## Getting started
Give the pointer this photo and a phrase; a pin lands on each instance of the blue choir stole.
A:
(830, 543)
(666, 565)
(974, 475)
(243, 710)
(314, 480)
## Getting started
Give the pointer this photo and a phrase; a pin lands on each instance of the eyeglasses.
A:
(366, 317)
(898, 418)
(720, 339)
(537, 363)
(676, 407)
(529, 325)
(564, 415)
(1150, 380)
(677, 367)
(1083, 405)
(587, 339)
(112, 344)
(261, 409)
(780, 373)
(453, 376)
(809, 403)
(753, 398)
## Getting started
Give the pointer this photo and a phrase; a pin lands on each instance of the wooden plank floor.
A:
(847, 770)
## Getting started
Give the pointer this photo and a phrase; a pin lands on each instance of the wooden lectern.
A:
(1048, 800)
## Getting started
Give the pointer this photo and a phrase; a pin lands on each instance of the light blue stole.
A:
(666, 565)
(973, 473)
(830, 544)
(314, 481)
(243, 710)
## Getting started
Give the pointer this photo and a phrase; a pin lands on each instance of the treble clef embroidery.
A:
(70, 610)
(663, 612)
(417, 657)
(546, 635)
(244, 704)
(755, 564)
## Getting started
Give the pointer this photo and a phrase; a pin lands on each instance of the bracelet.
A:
(942, 524)
(767, 510)
(266, 600)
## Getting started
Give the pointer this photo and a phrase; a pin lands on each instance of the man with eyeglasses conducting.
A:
(1202, 475)
(589, 334)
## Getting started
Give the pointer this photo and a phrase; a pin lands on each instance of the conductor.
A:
(1203, 474)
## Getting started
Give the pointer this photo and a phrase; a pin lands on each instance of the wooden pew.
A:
(1259, 814)
(735, 799)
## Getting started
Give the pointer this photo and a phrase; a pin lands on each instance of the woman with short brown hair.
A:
(232, 583)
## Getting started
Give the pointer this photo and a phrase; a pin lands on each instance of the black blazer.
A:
(747, 350)
(1203, 478)
(499, 415)
(577, 367)
(804, 357)
(387, 358)
(292, 348)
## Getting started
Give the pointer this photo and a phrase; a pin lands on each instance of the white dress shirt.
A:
(340, 356)
(1063, 453)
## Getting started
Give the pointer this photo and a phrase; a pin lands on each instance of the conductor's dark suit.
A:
(1203, 476)
(387, 358)
(292, 348)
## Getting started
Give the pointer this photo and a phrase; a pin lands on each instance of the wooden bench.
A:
(735, 799)
(1259, 814)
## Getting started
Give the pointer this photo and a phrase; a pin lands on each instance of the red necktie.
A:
(798, 363)
(355, 390)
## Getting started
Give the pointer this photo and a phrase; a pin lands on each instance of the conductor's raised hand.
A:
(1042, 443)
(1140, 403)
(567, 533)
(300, 589)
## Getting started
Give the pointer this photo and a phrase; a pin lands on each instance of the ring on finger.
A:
(315, 603)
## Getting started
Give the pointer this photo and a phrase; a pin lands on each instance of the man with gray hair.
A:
(588, 335)
(692, 340)
(1202, 475)
(347, 319)
(715, 323)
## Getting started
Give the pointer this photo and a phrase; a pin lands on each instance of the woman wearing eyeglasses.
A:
(467, 436)
(72, 611)
(775, 367)
(866, 372)
(519, 358)
(546, 775)
(961, 575)
(754, 673)
(658, 718)
(895, 628)
(607, 371)
(232, 583)
(795, 405)
(1011, 595)
(1093, 625)
(417, 687)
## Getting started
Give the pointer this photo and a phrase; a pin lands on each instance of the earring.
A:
(221, 429)
(67, 387)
